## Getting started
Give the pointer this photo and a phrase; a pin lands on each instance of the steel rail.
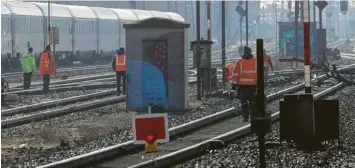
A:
(123, 148)
(54, 103)
(70, 82)
(189, 152)
(347, 56)
(73, 67)
(62, 111)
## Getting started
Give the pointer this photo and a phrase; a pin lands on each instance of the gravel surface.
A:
(87, 131)
(50, 109)
(35, 99)
(244, 153)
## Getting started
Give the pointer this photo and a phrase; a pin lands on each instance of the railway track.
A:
(348, 56)
(244, 152)
(104, 136)
(220, 136)
(100, 78)
(17, 72)
(230, 49)
(117, 149)
(66, 101)
(82, 102)
(25, 114)
(77, 103)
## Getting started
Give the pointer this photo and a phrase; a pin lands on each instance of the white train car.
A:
(6, 32)
(107, 32)
(126, 16)
(86, 34)
(26, 24)
(84, 30)
(61, 17)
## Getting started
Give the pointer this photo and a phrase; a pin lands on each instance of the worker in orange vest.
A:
(244, 80)
(228, 71)
(119, 66)
(267, 65)
(46, 67)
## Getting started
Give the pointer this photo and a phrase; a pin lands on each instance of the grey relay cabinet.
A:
(157, 65)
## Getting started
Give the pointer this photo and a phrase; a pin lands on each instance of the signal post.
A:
(304, 120)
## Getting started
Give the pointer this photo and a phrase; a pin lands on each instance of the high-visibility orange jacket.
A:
(228, 71)
(244, 72)
(266, 61)
(46, 64)
(120, 62)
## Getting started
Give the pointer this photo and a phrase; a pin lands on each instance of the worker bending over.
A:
(46, 67)
(28, 67)
(244, 79)
(119, 66)
(228, 71)
(267, 65)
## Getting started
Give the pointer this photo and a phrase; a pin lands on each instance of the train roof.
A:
(56, 10)
(104, 13)
(83, 12)
(23, 8)
(124, 14)
(142, 14)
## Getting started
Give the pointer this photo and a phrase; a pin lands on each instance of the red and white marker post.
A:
(307, 50)
(149, 129)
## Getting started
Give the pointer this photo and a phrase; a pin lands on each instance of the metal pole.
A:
(260, 98)
(223, 41)
(208, 38)
(208, 20)
(320, 19)
(307, 53)
(314, 29)
(276, 28)
(302, 12)
(49, 24)
(246, 23)
(296, 27)
(260, 76)
(241, 30)
(198, 50)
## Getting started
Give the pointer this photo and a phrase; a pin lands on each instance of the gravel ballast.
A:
(88, 131)
(244, 153)
(41, 98)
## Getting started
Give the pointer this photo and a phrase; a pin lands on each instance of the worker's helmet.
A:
(247, 50)
(122, 50)
(48, 47)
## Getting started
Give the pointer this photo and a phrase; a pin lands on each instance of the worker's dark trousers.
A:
(46, 79)
(2, 91)
(247, 94)
(119, 75)
(266, 74)
(27, 80)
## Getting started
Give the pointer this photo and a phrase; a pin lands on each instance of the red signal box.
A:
(150, 129)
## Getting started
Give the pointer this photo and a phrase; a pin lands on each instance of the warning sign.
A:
(148, 125)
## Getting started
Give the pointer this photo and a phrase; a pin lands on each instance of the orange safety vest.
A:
(266, 61)
(244, 72)
(46, 66)
(229, 69)
(120, 63)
